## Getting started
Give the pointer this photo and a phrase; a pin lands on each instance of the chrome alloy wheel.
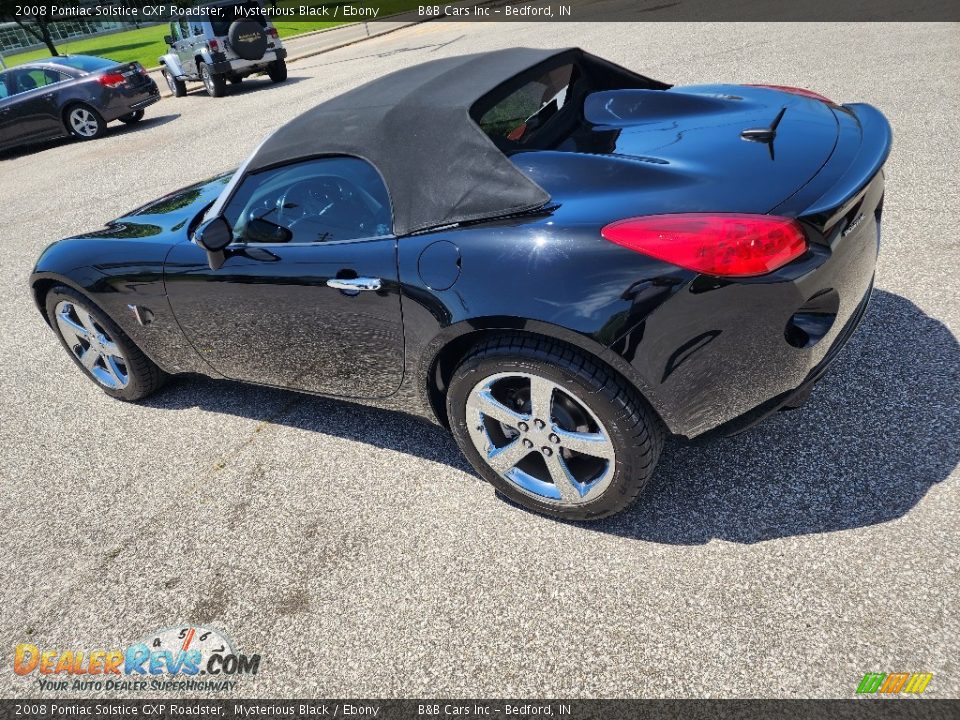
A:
(83, 122)
(207, 79)
(541, 437)
(92, 345)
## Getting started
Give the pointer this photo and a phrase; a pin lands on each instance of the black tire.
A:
(134, 117)
(143, 376)
(216, 84)
(84, 122)
(631, 427)
(177, 87)
(277, 70)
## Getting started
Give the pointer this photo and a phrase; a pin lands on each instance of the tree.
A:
(36, 26)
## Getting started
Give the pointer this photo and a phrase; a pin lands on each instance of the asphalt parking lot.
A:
(356, 551)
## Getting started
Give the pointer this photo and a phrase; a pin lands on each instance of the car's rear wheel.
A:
(131, 118)
(177, 87)
(100, 348)
(216, 85)
(552, 429)
(84, 122)
(277, 70)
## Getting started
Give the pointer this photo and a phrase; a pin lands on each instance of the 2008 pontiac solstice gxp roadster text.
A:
(558, 258)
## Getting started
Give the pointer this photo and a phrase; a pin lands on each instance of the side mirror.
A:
(213, 236)
(168, 39)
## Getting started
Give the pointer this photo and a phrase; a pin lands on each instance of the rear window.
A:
(518, 116)
(226, 14)
(86, 63)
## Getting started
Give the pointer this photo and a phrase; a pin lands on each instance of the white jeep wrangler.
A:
(221, 41)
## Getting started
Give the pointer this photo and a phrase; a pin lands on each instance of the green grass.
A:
(146, 44)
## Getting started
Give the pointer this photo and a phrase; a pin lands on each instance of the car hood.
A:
(173, 212)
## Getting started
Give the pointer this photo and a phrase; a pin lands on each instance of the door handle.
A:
(354, 284)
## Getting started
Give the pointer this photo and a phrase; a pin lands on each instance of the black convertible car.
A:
(558, 258)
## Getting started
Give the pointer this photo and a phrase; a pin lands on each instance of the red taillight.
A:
(797, 91)
(111, 79)
(728, 245)
(214, 45)
(272, 32)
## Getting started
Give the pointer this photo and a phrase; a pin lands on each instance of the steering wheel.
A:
(324, 209)
(308, 198)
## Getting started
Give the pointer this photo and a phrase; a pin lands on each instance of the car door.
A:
(6, 113)
(184, 46)
(307, 296)
(32, 112)
(191, 45)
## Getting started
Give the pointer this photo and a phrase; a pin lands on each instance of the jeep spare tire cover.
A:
(248, 39)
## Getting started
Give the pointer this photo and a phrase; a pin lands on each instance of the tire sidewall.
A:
(632, 467)
(101, 123)
(138, 385)
(277, 70)
(218, 83)
(177, 87)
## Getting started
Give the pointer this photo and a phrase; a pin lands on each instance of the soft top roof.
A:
(414, 126)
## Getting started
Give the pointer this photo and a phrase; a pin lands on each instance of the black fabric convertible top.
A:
(414, 126)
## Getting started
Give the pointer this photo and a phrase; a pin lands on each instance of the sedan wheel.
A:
(100, 348)
(553, 430)
(131, 118)
(85, 122)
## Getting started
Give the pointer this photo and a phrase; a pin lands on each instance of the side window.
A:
(4, 93)
(24, 80)
(184, 29)
(517, 116)
(175, 31)
(320, 200)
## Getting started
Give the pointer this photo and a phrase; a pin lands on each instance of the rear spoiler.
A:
(864, 139)
(876, 138)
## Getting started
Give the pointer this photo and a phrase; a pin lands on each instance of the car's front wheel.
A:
(100, 348)
(277, 70)
(552, 429)
(85, 123)
(177, 87)
(216, 85)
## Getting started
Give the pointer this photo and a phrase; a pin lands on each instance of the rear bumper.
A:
(718, 356)
(795, 398)
(124, 101)
(238, 66)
